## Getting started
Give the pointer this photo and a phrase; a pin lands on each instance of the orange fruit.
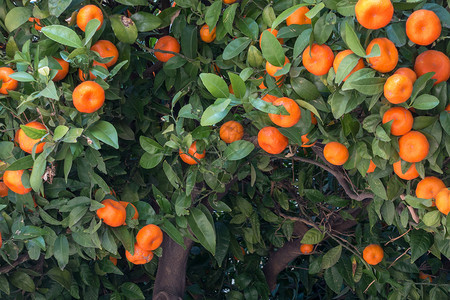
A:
(374, 14)
(313, 119)
(88, 97)
(423, 27)
(428, 187)
(398, 88)
(291, 107)
(298, 17)
(113, 260)
(388, 58)
(272, 31)
(269, 98)
(81, 75)
(335, 153)
(87, 13)
(37, 23)
(408, 73)
(140, 256)
(433, 61)
(447, 108)
(231, 131)
(340, 56)
(113, 214)
(26, 143)
(206, 35)
(443, 201)
(410, 174)
(229, 1)
(306, 248)
(373, 254)
(271, 69)
(319, 60)
(230, 89)
(3, 189)
(305, 141)
(149, 237)
(425, 276)
(7, 82)
(403, 120)
(413, 146)
(166, 43)
(271, 140)
(106, 49)
(372, 167)
(63, 72)
(192, 152)
(13, 180)
(125, 204)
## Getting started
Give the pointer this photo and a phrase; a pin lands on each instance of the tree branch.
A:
(21, 259)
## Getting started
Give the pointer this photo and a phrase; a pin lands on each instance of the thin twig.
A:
(369, 286)
(390, 241)
(406, 251)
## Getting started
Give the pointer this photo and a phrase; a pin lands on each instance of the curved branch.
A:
(21, 259)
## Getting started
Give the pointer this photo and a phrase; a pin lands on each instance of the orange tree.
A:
(285, 149)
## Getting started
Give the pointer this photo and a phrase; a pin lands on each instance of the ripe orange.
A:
(3, 189)
(428, 187)
(106, 49)
(443, 201)
(231, 131)
(26, 143)
(374, 14)
(206, 35)
(7, 82)
(87, 13)
(298, 17)
(305, 141)
(82, 76)
(425, 276)
(63, 72)
(408, 73)
(13, 180)
(313, 119)
(403, 120)
(269, 98)
(272, 31)
(125, 204)
(140, 256)
(149, 237)
(192, 152)
(373, 254)
(335, 153)
(229, 1)
(113, 214)
(319, 61)
(340, 56)
(423, 27)
(271, 140)
(447, 108)
(271, 69)
(37, 23)
(372, 167)
(398, 88)
(166, 43)
(410, 174)
(306, 248)
(433, 61)
(413, 146)
(291, 107)
(230, 89)
(88, 97)
(388, 58)
(113, 260)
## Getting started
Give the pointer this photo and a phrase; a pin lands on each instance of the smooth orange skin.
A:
(140, 256)
(88, 97)
(305, 141)
(230, 89)
(372, 167)
(374, 14)
(306, 248)
(3, 189)
(26, 143)
(425, 276)
(125, 204)
(269, 98)
(443, 201)
(279, 82)
(398, 88)
(336, 153)
(7, 82)
(423, 27)
(113, 260)
(206, 35)
(229, 1)
(63, 72)
(428, 187)
(298, 17)
(413, 146)
(403, 120)
(433, 61)
(149, 237)
(408, 175)
(320, 61)
(271, 140)
(166, 43)
(87, 13)
(388, 58)
(192, 152)
(37, 23)
(447, 108)
(313, 119)
(408, 73)
(271, 69)
(373, 254)
(272, 31)
(106, 49)
(286, 120)
(113, 214)
(231, 131)
(81, 75)
(13, 180)
(340, 56)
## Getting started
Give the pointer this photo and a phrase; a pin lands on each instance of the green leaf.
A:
(61, 251)
(223, 242)
(76, 214)
(131, 290)
(333, 279)
(215, 112)
(432, 218)
(271, 49)
(22, 281)
(425, 102)
(63, 277)
(189, 41)
(57, 7)
(60, 132)
(23, 163)
(420, 243)
(50, 91)
(312, 236)
(345, 67)
(235, 47)
(331, 257)
(267, 107)
(212, 13)
(420, 84)
(16, 17)
(171, 175)
(285, 14)
(377, 187)
(91, 29)
(238, 85)
(301, 43)
(63, 35)
(215, 85)
(315, 10)
(369, 86)
(105, 132)
(146, 21)
(173, 232)
(4, 285)
(248, 27)
(37, 172)
(149, 145)
(22, 77)
(238, 150)
(203, 229)
(124, 236)
(33, 133)
(228, 17)
(352, 41)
